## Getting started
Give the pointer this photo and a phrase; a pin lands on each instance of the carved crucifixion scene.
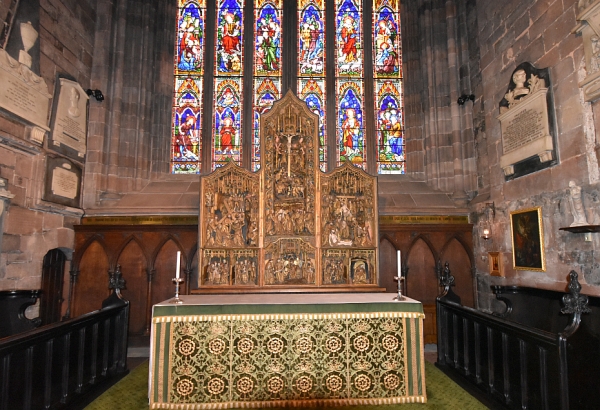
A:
(288, 225)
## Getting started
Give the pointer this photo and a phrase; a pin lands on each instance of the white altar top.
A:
(287, 299)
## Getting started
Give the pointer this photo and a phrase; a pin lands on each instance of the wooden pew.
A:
(538, 353)
(61, 364)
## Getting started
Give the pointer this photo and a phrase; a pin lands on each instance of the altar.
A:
(286, 350)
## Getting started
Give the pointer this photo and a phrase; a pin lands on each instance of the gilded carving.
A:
(231, 208)
(288, 224)
(348, 208)
(290, 262)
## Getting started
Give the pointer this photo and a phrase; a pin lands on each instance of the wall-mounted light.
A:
(486, 227)
(97, 94)
(464, 98)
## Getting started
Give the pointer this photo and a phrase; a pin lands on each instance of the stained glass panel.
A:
(267, 39)
(227, 122)
(190, 37)
(266, 91)
(186, 148)
(229, 56)
(187, 96)
(311, 38)
(387, 49)
(350, 123)
(312, 91)
(348, 28)
(390, 140)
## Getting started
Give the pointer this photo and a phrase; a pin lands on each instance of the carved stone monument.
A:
(527, 122)
(589, 28)
(22, 92)
(63, 182)
(69, 120)
(288, 226)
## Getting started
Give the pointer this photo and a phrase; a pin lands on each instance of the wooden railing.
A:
(516, 365)
(55, 366)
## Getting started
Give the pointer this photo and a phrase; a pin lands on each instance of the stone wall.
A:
(511, 32)
(30, 226)
(438, 38)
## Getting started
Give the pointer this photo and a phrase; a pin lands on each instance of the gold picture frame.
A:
(495, 260)
(527, 235)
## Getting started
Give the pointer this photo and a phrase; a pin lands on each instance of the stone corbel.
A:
(589, 28)
(37, 135)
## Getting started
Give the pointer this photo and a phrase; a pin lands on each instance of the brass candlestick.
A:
(176, 299)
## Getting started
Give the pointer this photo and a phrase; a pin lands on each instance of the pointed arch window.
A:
(234, 58)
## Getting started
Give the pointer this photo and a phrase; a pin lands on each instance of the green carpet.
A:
(442, 393)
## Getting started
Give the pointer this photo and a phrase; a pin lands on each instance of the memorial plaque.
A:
(69, 121)
(526, 120)
(589, 28)
(63, 182)
(22, 92)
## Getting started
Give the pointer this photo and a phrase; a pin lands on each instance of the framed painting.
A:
(527, 235)
(495, 259)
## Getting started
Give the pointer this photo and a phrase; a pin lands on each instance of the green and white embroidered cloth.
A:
(296, 350)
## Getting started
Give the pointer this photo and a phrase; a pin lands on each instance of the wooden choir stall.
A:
(287, 310)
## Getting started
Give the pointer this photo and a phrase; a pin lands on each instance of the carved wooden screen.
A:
(288, 226)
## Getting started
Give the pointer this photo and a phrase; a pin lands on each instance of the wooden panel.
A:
(460, 267)
(162, 285)
(421, 281)
(388, 266)
(139, 249)
(134, 269)
(53, 271)
(92, 282)
(423, 246)
(429, 324)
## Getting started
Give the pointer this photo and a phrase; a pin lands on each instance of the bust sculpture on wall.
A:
(527, 122)
(289, 225)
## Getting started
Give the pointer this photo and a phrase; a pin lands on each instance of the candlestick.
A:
(178, 264)
(176, 299)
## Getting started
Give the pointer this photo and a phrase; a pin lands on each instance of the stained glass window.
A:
(387, 51)
(311, 64)
(228, 84)
(187, 103)
(239, 82)
(267, 65)
(349, 83)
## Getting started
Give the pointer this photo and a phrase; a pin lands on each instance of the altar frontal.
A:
(229, 351)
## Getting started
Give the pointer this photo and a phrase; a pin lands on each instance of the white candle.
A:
(178, 264)
(399, 268)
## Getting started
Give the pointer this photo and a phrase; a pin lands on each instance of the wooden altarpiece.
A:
(288, 227)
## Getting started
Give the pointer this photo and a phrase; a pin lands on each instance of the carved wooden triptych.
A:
(288, 225)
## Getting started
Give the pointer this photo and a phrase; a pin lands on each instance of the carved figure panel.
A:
(335, 267)
(348, 208)
(290, 262)
(231, 208)
(216, 268)
(290, 163)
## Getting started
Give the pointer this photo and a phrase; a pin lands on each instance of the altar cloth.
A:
(286, 350)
